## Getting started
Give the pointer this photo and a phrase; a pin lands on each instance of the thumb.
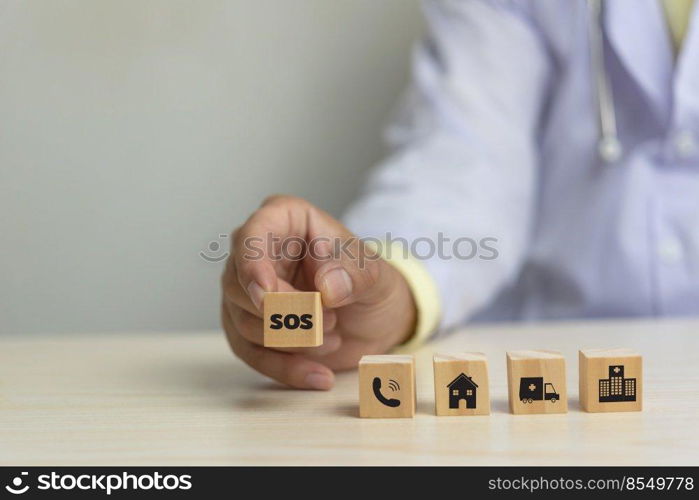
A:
(354, 273)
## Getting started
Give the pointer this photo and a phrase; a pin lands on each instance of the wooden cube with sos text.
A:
(387, 386)
(293, 319)
(610, 380)
(536, 382)
(461, 384)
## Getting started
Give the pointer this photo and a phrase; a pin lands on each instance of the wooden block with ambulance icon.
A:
(610, 380)
(461, 384)
(293, 319)
(536, 382)
(387, 386)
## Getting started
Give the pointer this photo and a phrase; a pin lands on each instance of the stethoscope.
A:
(608, 146)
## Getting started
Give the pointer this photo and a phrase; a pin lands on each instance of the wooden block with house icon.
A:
(387, 386)
(461, 384)
(293, 319)
(610, 380)
(536, 382)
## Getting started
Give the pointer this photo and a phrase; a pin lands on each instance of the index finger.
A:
(253, 245)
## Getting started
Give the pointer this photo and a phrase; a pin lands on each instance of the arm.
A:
(464, 149)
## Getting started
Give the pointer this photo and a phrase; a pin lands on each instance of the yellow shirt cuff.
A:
(422, 286)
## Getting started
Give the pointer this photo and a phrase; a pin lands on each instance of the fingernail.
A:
(256, 294)
(319, 381)
(336, 285)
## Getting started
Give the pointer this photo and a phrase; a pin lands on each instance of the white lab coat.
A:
(497, 137)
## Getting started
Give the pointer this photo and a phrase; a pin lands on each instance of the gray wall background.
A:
(133, 133)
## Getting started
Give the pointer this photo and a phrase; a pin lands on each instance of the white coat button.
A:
(685, 143)
(670, 251)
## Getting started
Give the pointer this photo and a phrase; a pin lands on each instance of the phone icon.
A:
(393, 385)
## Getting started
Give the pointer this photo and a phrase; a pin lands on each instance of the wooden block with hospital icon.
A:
(461, 384)
(536, 382)
(293, 319)
(610, 380)
(387, 386)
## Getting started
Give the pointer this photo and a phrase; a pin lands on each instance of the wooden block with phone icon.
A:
(293, 319)
(387, 386)
(537, 382)
(610, 380)
(461, 384)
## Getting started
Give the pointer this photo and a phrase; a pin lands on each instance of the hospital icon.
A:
(616, 388)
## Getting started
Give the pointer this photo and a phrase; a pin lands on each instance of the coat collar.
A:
(637, 32)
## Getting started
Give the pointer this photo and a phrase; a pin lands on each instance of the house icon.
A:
(462, 387)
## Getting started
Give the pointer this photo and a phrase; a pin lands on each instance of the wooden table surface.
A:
(181, 398)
